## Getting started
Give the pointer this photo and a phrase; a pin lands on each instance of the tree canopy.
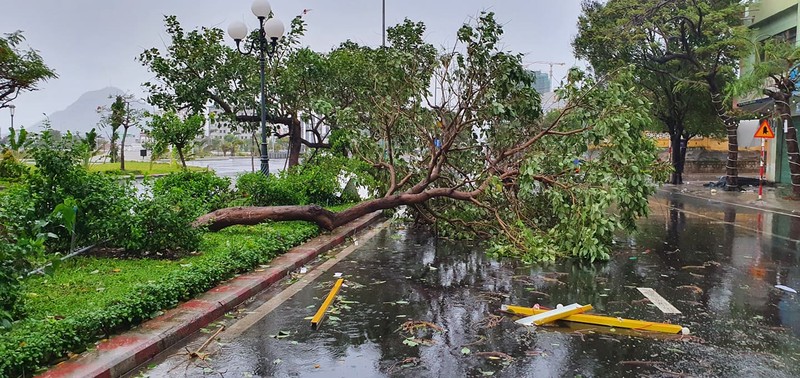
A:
(20, 70)
(685, 52)
(199, 68)
(480, 160)
(680, 108)
(169, 129)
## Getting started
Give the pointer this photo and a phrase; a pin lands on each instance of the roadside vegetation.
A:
(147, 256)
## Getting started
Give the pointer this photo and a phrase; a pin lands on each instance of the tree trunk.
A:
(684, 145)
(731, 125)
(122, 150)
(326, 219)
(731, 166)
(791, 142)
(675, 156)
(180, 155)
(295, 134)
(113, 149)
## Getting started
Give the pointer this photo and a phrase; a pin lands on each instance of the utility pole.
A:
(384, 24)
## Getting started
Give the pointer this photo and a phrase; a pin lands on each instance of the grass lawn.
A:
(94, 282)
(139, 168)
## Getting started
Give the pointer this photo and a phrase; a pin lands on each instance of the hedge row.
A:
(32, 344)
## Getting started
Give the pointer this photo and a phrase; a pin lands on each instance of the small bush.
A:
(162, 223)
(212, 191)
(260, 190)
(10, 168)
(21, 241)
(315, 182)
(102, 201)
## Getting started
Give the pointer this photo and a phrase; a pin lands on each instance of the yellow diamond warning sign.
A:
(764, 130)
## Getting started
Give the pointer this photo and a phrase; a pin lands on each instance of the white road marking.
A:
(658, 300)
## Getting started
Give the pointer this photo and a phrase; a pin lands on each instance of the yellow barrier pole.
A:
(602, 320)
(322, 309)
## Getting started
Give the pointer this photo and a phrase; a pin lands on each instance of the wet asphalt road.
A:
(716, 263)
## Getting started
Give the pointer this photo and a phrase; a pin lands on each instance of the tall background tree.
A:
(680, 108)
(120, 115)
(169, 130)
(200, 67)
(481, 160)
(20, 70)
(686, 53)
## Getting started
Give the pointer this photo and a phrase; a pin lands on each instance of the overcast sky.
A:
(92, 44)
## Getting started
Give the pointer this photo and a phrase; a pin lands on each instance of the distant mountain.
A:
(81, 116)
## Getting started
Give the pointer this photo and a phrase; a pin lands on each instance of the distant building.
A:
(541, 81)
(222, 126)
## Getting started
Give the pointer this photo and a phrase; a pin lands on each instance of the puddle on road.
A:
(720, 275)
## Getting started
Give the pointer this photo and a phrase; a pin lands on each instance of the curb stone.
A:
(737, 199)
(124, 352)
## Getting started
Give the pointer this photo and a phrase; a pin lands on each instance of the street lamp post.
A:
(11, 109)
(270, 31)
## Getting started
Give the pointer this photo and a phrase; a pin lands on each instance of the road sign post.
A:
(764, 132)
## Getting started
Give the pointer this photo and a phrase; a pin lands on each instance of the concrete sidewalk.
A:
(773, 198)
(122, 353)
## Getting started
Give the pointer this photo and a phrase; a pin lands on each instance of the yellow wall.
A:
(706, 143)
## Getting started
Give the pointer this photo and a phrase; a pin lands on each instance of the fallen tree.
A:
(479, 158)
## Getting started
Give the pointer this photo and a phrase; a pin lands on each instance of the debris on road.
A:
(317, 319)
(494, 356)
(786, 288)
(603, 320)
(553, 315)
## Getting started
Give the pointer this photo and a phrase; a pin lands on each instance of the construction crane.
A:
(551, 64)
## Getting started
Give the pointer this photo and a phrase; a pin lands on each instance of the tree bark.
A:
(113, 149)
(782, 104)
(122, 150)
(731, 125)
(676, 157)
(684, 146)
(295, 144)
(222, 218)
(180, 154)
(731, 166)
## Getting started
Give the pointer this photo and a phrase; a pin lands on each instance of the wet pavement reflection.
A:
(716, 263)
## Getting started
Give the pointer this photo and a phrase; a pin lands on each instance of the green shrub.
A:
(161, 224)
(102, 201)
(34, 343)
(212, 191)
(18, 244)
(21, 244)
(15, 255)
(260, 190)
(315, 182)
(10, 168)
